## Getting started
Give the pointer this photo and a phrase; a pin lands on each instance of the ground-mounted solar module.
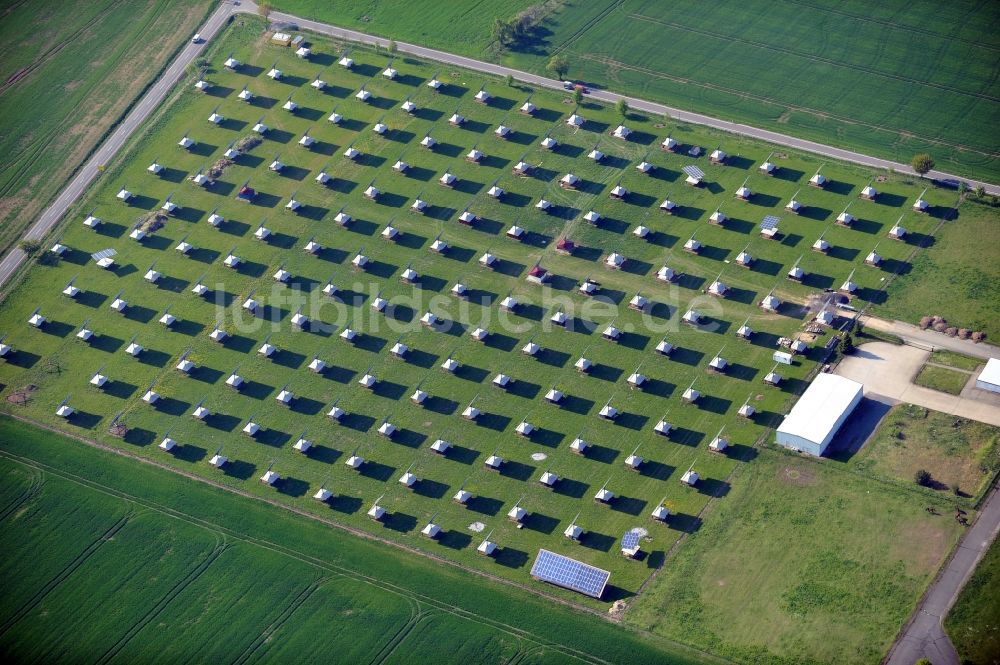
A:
(569, 573)
(694, 171)
(769, 223)
(630, 540)
(103, 254)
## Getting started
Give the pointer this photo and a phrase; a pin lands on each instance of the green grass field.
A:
(943, 379)
(112, 560)
(54, 363)
(804, 562)
(955, 360)
(974, 620)
(954, 450)
(68, 74)
(852, 76)
(952, 279)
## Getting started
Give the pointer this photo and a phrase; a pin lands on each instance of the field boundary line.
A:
(347, 572)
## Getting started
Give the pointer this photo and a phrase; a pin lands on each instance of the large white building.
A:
(819, 413)
(989, 378)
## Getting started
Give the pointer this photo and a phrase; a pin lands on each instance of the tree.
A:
(847, 344)
(30, 247)
(391, 47)
(577, 95)
(622, 107)
(558, 65)
(509, 80)
(264, 9)
(922, 477)
(922, 163)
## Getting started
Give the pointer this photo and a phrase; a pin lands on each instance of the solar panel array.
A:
(694, 171)
(103, 254)
(570, 573)
(769, 222)
(630, 540)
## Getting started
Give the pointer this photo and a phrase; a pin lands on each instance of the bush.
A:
(922, 477)
(922, 163)
(622, 107)
(509, 81)
(30, 247)
(577, 95)
(392, 47)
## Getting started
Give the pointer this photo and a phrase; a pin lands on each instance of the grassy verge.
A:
(956, 360)
(974, 621)
(70, 75)
(830, 562)
(941, 379)
(230, 569)
(952, 276)
(954, 450)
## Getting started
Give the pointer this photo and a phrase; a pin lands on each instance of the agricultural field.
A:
(831, 562)
(973, 624)
(952, 279)
(51, 365)
(954, 450)
(146, 566)
(843, 75)
(55, 104)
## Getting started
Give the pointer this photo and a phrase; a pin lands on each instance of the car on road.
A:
(196, 39)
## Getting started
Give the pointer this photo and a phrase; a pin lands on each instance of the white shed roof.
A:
(819, 409)
(991, 373)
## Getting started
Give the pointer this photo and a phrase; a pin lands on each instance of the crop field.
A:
(51, 364)
(57, 105)
(889, 81)
(154, 567)
(832, 563)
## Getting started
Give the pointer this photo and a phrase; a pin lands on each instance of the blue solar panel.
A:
(630, 540)
(104, 253)
(569, 573)
(694, 172)
(769, 222)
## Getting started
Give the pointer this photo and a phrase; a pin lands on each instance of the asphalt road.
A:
(612, 97)
(158, 92)
(149, 102)
(924, 636)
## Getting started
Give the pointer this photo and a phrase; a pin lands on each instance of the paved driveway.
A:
(887, 372)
